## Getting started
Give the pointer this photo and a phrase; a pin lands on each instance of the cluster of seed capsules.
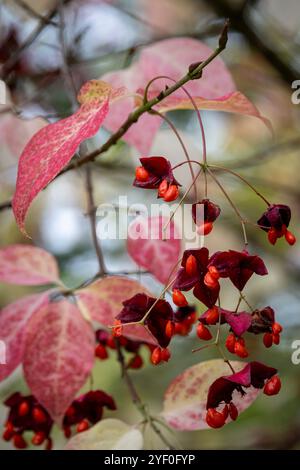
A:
(202, 272)
(181, 324)
(28, 417)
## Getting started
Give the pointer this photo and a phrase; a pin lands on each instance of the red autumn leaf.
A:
(13, 321)
(58, 356)
(186, 397)
(28, 266)
(49, 151)
(151, 248)
(102, 301)
(215, 90)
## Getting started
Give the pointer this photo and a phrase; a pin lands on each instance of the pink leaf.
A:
(185, 398)
(215, 90)
(172, 57)
(102, 302)
(13, 321)
(234, 102)
(59, 355)
(151, 248)
(27, 265)
(49, 151)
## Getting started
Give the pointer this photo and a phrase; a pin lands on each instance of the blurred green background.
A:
(263, 55)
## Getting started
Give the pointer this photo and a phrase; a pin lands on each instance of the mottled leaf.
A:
(102, 301)
(152, 248)
(215, 90)
(59, 355)
(13, 320)
(108, 434)
(27, 265)
(49, 151)
(186, 396)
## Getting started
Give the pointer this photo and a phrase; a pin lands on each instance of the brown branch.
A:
(193, 74)
(34, 13)
(91, 210)
(92, 217)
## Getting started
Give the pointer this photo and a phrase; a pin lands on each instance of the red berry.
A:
(191, 267)
(141, 174)
(240, 350)
(179, 299)
(117, 329)
(272, 235)
(203, 332)
(156, 356)
(191, 318)
(82, 426)
(205, 229)
(170, 329)
(19, 441)
(165, 354)
(230, 342)
(111, 342)
(172, 193)
(276, 328)
(182, 328)
(136, 362)
(39, 415)
(23, 408)
(8, 432)
(101, 352)
(210, 281)
(233, 411)
(225, 412)
(276, 339)
(38, 438)
(272, 386)
(214, 419)
(163, 188)
(290, 238)
(214, 272)
(212, 316)
(268, 340)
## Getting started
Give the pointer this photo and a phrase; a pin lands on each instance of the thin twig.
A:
(135, 115)
(136, 399)
(26, 7)
(11, 62)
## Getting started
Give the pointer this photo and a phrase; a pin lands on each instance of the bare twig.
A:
(11, 62)
(26, 7)
(136, 399)
(91, 210)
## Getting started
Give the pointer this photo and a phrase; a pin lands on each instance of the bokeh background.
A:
(263, 55)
